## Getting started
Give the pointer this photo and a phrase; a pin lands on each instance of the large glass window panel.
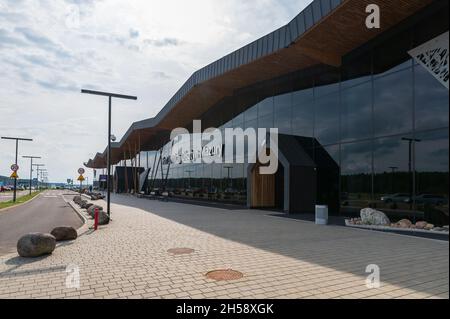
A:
(303, 112)
(265, 107)
(326, 126)
(217, 177)
(283, 100)
(356, 112)
(238, 121)
(431, 176)
(207, 175)
(303, 119)
(431, 101)
(303, 96)
(266, 121)
(356, 177)
(392, 181)
(328, 176)
(327, 82)
(283, 118)
(251, 113)
(252, 124)
(393, 103)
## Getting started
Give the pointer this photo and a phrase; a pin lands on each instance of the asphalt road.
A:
(7, 196)
(42, 214)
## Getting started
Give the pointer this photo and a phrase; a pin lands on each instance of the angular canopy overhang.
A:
(321, 34)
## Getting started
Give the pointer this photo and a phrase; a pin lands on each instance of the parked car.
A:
(395, 198)
(428, 199)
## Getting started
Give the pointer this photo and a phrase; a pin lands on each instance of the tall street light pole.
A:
(110, 96)
(31, 168)
(17, 139)
(43, 172)
(410, 141)
(37, 173)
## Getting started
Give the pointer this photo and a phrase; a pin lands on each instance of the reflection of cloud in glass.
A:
(431, 101)
(433, 152)
(393, 96)
(356, 158)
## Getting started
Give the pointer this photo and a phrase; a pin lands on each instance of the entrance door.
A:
(263, 189)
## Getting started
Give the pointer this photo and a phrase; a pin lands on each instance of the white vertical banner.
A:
(433, 56)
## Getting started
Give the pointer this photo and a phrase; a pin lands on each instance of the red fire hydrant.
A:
(96, 219)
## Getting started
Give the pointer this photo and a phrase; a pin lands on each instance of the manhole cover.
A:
(180, 251)
(224, 274)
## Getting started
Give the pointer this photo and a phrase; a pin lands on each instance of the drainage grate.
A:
(224, 274)
(180, 251)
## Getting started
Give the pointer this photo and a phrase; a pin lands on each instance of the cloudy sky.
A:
(50, 49)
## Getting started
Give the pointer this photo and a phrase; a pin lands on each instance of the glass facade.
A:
(381, 117)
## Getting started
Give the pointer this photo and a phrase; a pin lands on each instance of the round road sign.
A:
(81, 171)
(14, 167)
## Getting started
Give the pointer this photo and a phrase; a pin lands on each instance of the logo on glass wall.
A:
(433, 56)
(373, 19)
(232, 145)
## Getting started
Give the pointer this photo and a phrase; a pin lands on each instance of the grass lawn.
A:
(19, 200)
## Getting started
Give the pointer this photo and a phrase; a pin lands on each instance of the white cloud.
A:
(50, 49)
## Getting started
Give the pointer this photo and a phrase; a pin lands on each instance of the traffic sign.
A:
(81, 178)
(81, 171)
(14, 175)
(14, 167)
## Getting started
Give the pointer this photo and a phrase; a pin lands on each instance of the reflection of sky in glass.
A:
(356, 158)
(431, 99)
(356, 112)
(393, 97)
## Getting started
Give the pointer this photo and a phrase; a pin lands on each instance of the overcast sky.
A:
(51, 49)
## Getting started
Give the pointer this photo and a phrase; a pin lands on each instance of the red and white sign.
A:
(14, 167)
(81, 171)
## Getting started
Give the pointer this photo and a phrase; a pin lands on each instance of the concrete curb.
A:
(85, 227)
(18, 205)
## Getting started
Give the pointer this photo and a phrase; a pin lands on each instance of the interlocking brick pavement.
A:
(279, 257)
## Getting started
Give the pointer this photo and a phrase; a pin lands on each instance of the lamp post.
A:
(43, 174)
(17, 139)
(37, 173)
(31, 168)
(410, 141)
(110, 96)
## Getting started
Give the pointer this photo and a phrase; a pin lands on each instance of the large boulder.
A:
(84, 204)
(64, 233)
(370, 216)
(36, 244)
(91, 210)
(103, 218)
(421, 224)
(77, 199)
(404, 223)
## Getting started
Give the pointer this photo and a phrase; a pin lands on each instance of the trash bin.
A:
(321, 215)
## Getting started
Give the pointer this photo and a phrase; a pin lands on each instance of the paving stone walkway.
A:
(279, 257)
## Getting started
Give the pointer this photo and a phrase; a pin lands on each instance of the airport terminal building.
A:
(363, 116)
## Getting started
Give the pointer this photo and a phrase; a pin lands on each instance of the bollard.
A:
(96, 219)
